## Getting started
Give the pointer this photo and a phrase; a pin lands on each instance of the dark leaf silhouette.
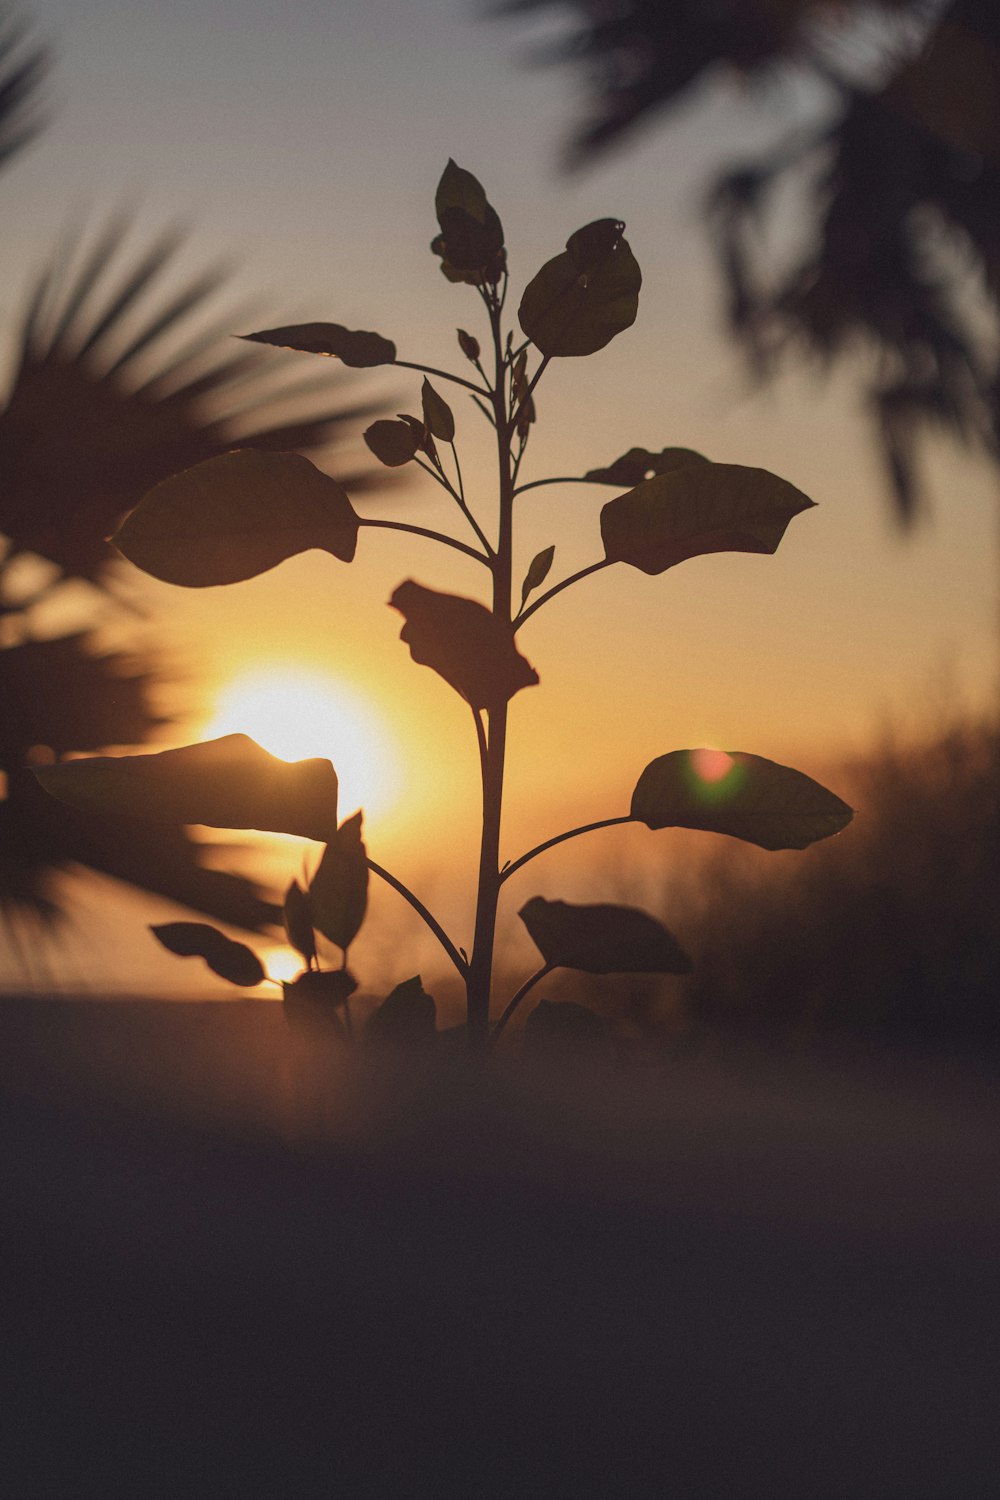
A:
(639, 464)
(697, 509)
(235, 516)
(315, 999)
(225, 783)
(232, 961)
(468, 345)
(742, 795)
(537, 572)
(438, 415)
(297, 917)
(581, 299)
(471, 240)
(464, 643)
(338, 892)
(407, 1017)
(23, 66)
(352, 346)
(559, 1026)
(62, 695)
(602, 939)
(394, 443)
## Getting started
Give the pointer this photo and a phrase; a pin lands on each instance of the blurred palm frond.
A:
(23, 67)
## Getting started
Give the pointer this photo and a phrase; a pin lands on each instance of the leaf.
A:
(338, 893)
(354, 346)
(581, 299)
(602, 939)
(314, 999)
(235, 516)
(297, 913)
(225, 783)
(468, 345)
(558, 1025)
(438, 414)
(406, 1017)
(232, 961)
(537, 572)
(393, 443)
(464, 643)
(745, 796)
(639, 464)
(699, 509)
(471, 240)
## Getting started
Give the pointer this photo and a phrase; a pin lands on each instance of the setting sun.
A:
(296, 714)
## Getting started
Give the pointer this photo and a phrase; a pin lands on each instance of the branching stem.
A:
(407, 364)
(557, 588)
(429, 919)
(516, 999)
(435, 536)
(560, 838)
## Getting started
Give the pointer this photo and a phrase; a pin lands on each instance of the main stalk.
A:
(480, 978)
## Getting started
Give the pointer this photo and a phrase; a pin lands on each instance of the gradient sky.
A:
(304, 139)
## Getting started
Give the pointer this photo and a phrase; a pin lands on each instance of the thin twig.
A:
(516, 999)
(421, 910)
(557, 588)
(536, 484)
(485, 411)
(407, 364)
(560, 838)
(435, 536)
(483, 748)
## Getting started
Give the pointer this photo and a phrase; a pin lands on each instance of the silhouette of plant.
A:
(117, 383)
(235, 516)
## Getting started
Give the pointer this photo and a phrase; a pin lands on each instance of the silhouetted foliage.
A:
(23, 66)
(215, 523)
(899, 177)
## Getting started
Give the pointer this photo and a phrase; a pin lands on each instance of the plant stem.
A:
(406, 364)
(557, 588)
(480, 976)
(516, 999)
(421, 910)
(435, 536)
(560, 838)
(440, 477)
(536, 484)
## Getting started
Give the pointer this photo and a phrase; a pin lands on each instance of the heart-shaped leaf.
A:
(581, 299)
(393, 443)
(464, 643)
(698, 509)
(438, 415)
(297, 914)
(314, 1000)
(639, 464)
(235, 516)
(537, 572)
(471, 240)
(745, 796)
(225, 783)
(338, 892)
(354, 346)
(602, 939)
(232, 961)
(407, 1016)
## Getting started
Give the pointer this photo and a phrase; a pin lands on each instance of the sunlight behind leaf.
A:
(297, 714)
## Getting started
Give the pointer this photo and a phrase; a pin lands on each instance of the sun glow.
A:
(296, 715)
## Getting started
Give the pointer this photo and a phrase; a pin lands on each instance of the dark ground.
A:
(233, 1270)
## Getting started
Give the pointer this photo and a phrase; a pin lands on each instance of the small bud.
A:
(468, 345)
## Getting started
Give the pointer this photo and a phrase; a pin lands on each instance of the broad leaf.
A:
(698, 509)
(602, 939)
(438, 414)
(297, 914)
(393, 443)
(639, 464)
(314, 1000)
(232, 961)
(406, 1017)
(581, 299)
(471, 240)
(225, 783)
(537, 572)
(354, 346)
(745, 796)
(338, 892)
(464, 643)
(235, 516)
